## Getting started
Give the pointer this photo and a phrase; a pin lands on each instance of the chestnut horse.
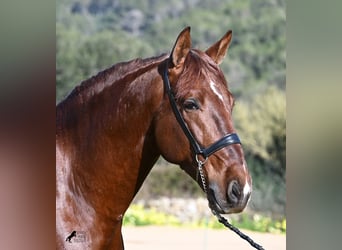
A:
(112, 128)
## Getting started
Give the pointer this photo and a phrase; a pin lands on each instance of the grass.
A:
(137, 215)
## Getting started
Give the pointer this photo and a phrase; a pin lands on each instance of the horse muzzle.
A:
(233, 200)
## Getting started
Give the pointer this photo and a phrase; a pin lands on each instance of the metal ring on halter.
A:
(199, 162)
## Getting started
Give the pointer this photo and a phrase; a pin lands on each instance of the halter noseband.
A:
(197, 149)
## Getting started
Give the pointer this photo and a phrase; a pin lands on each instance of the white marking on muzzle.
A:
(246, 189)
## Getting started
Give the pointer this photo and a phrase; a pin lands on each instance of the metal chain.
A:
(200, 172)
(221, 219)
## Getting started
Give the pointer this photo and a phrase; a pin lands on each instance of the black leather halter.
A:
(196, 147)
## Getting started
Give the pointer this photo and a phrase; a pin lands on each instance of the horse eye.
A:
(191, 104)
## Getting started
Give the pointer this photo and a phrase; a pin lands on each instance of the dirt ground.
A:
(165, 238)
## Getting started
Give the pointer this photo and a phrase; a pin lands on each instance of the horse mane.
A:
(116, 73)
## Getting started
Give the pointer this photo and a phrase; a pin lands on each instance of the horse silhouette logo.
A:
(73, 234)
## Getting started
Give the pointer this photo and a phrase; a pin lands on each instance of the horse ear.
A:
(218, 50)
(181, 48)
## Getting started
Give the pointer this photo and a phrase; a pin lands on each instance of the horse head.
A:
(194, 126)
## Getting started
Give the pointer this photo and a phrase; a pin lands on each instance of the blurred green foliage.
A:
(137, 215)
(92, 35)
(260, 223)
(263, 122)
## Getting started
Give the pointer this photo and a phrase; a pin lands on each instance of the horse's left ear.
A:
(218, 50)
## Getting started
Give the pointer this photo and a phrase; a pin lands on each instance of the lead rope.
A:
(221, 219)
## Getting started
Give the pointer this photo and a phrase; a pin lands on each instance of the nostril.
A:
(234, 192)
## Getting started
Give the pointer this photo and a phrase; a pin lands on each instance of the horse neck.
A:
(109, 140)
